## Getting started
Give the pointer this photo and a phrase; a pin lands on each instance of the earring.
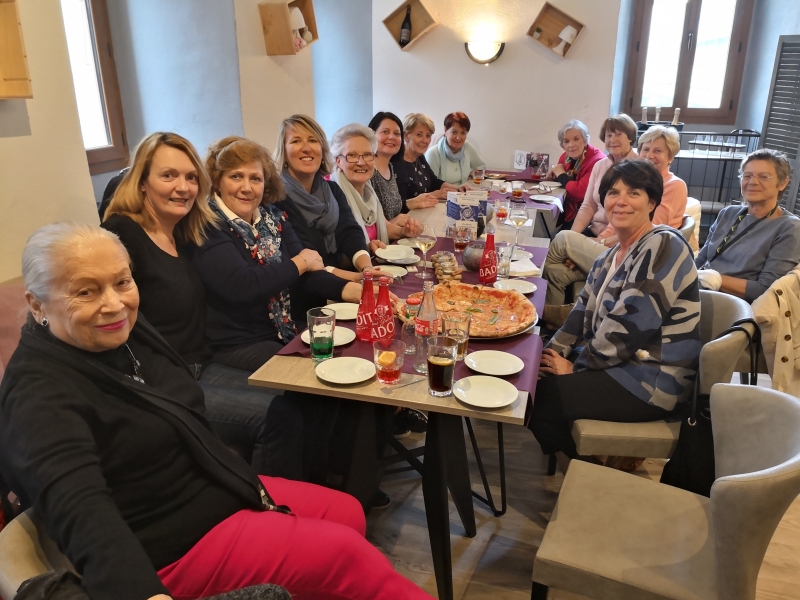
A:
(45, 322)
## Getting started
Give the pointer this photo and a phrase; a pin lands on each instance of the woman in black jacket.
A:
(318, 210)
(102, 433)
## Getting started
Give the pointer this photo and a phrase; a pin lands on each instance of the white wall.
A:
(518, 102)
(272, 87)
(44, 173)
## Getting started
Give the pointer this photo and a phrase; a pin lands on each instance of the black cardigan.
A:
(238, 288)
(72, 434)
(415, 178)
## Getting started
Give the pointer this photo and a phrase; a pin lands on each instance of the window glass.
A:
(663, 52)
(85, 73)
(711, 53)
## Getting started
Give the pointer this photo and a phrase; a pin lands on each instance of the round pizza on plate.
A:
(495, 313)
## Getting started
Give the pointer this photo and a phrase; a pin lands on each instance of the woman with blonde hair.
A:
(160, 212)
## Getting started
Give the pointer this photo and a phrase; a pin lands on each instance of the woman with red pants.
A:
(102, 433)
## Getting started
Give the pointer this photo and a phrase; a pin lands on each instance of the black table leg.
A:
(544, 223)
(434, 490)
(452, 430)
(552, 464)
(488, 500)
(361, 480)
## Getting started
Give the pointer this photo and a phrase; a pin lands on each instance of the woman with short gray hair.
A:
(574, 167)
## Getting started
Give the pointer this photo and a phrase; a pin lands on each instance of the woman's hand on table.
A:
(308, 261)
(553, 363)
(412, 228)
(422, 201)
(555, 172)
(352, 293)
(375, 245)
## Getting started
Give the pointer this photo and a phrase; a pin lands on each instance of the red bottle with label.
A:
(488, 270)
(366, 309)
(383, 316)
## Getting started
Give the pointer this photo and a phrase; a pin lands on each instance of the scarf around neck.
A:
(319, 208)
(263, 242)
(367, 210)
(573, 165)
(459, 157)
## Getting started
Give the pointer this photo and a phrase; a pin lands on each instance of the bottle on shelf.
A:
(405, 29)
(383, 316)
(426, 326)
(365, 309)
(409, 334)
(658, 114)
(644, 115)
(488, 269)
(677, 116)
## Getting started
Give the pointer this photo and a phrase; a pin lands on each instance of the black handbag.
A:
(691, 466)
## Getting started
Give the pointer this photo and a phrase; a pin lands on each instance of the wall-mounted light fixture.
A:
(484, 52)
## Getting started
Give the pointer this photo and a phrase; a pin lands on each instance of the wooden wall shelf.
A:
(421, 22)
(551, 21)
(277, 26)
(15, 81)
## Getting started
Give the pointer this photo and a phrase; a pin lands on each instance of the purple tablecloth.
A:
(528, 347)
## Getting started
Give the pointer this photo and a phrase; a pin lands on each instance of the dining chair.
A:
(26, 551)
(718, 360)
(687, 227)
(618, 536)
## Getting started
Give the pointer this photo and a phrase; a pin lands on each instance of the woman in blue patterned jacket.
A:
(635, 326)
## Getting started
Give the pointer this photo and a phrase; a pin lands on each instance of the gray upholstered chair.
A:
(687, 227)
(26, 551)
(718, 359)
(618, 536)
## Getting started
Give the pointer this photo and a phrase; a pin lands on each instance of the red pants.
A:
(317, 552)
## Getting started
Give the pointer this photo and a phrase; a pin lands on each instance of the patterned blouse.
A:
(388, 194)
(643, 327)
(415, 178)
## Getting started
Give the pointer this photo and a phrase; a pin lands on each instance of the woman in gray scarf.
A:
(453, 158)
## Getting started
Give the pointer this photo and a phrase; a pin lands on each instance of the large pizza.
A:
(495, 313)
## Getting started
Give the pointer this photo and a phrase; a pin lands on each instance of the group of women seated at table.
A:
(119, 410)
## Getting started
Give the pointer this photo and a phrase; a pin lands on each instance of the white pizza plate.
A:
(394, 252)
(544, 199)
(410, 242)
(484, 392)
(494, 362)
(345, 369)
(522, 286)
(341, 336)
(345, 311)
(392, 270)
(519, 254)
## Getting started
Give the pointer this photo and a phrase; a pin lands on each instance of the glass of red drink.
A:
(389, 360)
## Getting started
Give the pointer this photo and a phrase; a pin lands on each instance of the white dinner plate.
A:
(408, 260)
(550, 184)
(410, 242)
(345, 311)
(522, 286)
(341, 336)
(494, 362)
(520, 254)
(392, 270)
(394, 252)
(544, 199)
(345, 369)
(484, 392)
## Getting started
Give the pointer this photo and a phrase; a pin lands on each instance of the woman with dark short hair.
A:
(636, 323)
(453, 158)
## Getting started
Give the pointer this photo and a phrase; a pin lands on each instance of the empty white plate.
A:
(550, 184)
(392, 270)
(394, 252)
(345, 311)
(345, 369)
(484, 392)
(522, 286)
(544, 199)
(519, 254)
(494, 362)
(410, 242)
(408, 260)
(341, 336)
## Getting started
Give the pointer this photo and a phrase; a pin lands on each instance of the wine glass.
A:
(518, 217)
(425, 242)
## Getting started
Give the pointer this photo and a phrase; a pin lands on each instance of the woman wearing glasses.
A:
(353, 148)
(751, 245)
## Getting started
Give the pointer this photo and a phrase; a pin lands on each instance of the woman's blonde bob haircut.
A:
(670, 135)
(310, 125)
(129, 199)
(414, 120)
(233, 152)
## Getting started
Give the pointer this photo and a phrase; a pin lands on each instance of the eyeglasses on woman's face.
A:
(353, 157)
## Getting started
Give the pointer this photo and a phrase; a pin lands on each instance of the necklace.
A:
(136, 364)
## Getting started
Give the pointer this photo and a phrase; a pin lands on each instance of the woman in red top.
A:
(574, 167)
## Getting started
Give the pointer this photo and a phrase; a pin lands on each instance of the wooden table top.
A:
(297, 374)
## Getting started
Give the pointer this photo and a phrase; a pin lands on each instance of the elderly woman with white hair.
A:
(574, 167)
(353, 148)
(102, 433)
